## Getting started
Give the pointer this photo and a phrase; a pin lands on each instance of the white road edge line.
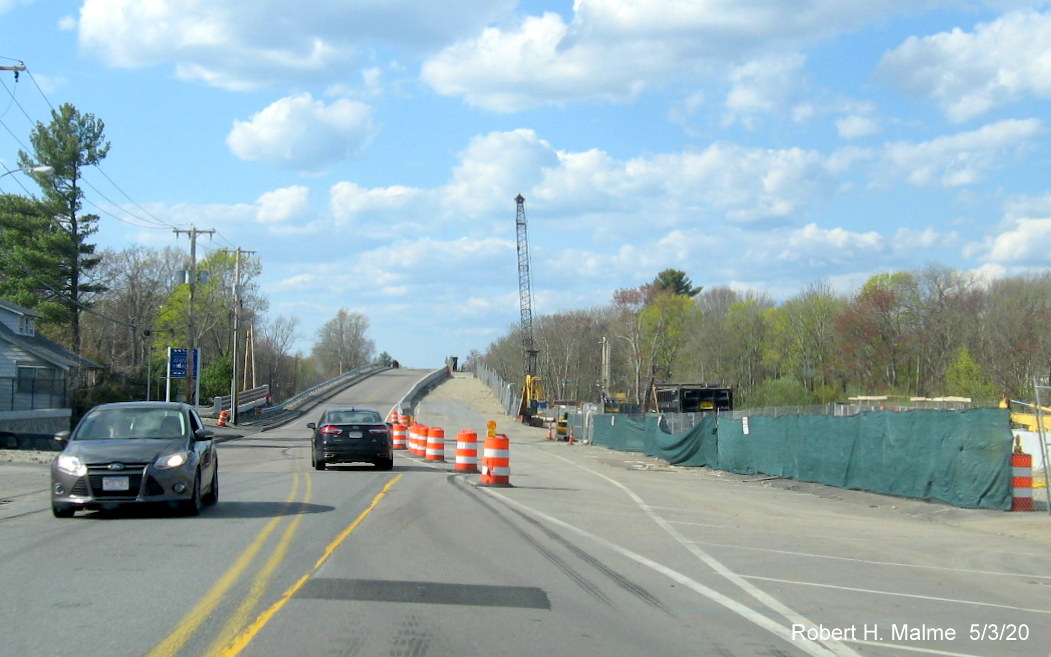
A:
(814, 648)
(900, 595)
(967, 571)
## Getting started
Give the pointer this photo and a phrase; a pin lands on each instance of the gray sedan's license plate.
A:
(353, 434)
(115, 483)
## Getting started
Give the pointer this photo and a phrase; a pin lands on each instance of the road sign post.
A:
(179, 367)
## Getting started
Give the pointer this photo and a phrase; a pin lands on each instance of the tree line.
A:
(122, 309)
(931, 332)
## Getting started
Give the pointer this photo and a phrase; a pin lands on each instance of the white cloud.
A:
(612, 50)
(1027, 243)
(724, 180)
(813, 244)
(969, 73)
(1021, 207)
(7, 5)
(385, 207)
(762, 86)
(284, 205)
(245, 44)
(494, 169)
(956, 160)
(508, 71)
(748, 184)
(856, 127)
(907, 239)
(301, 133)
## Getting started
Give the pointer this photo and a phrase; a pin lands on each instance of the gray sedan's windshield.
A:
(130, 423)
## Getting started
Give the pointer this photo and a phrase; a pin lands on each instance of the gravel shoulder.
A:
(26, 456)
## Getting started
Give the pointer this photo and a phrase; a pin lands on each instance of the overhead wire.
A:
(149, 221)
(147, 217)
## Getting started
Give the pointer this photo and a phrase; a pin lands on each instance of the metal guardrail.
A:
(508, 395)
(420, 390)
(277, 413)
(345, 378)
(247, 400)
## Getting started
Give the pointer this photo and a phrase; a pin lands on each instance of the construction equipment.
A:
(690, 398)
(532, 391)
(1031, 420)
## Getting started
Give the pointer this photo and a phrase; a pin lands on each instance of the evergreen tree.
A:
(676, 282)
(30, 272)
(71, 142)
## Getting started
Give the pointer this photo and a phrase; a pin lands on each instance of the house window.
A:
(26, 326)
(40, 381)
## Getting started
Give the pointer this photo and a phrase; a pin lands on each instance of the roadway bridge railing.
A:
(247, 400)
(412, 398)
(289, 407)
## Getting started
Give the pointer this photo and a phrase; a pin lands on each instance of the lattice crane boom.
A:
(532, 392)
(525, 288)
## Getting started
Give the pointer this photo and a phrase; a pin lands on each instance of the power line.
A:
(125, 194)
(148, 218)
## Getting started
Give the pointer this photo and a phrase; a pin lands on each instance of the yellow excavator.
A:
(1029, 419)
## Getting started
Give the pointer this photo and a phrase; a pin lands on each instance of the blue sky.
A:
(370, 151)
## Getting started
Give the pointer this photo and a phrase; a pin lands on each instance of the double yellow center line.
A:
(237, 632)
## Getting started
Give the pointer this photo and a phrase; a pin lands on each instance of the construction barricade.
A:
(398, 433)
(224, 418)
(421, 440)
(1022, 476)
(414, 438)
(466, 452)
(496, 461)
(435, 449)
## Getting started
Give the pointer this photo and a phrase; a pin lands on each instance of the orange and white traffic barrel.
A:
(421, 440)
(398, 433)
(1022, 477)
(413, 437)
(466, 451)
(496, 461)
(224, 417)
(435, 450)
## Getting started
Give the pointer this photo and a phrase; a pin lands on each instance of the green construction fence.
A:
(960, 458)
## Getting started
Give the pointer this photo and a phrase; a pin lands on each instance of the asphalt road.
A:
(588, 552)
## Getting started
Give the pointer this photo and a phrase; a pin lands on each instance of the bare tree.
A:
(341, 343)
(1015, 344)
(276, 338)
(138, 282)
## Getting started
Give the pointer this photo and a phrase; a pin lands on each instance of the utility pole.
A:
(191, 278)
(17, 68)
(237, 318)
(604, 382)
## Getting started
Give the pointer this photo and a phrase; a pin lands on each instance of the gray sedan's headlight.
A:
(171, 461)
(71, 465)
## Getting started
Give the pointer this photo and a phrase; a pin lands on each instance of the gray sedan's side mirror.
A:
(62, 436)
(203, 434)
(311, 425)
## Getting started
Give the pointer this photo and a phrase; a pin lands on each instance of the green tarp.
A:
(957, 457)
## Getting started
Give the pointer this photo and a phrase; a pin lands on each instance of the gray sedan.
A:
(136, 452)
